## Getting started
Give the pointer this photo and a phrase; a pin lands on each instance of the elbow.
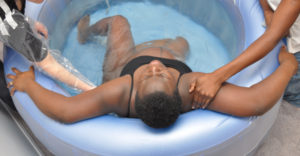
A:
(251, 105)
(255, 102)
(64, 115)
(264, 107)
(258, 111)
(258, 106)
(66, 118)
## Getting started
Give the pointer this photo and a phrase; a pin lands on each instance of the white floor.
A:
(284, 136)
(12, 141)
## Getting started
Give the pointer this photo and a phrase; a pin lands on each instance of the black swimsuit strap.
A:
(178, 79)
(130, 94)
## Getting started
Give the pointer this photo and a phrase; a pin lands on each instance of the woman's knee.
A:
(119, 20)
(179, 44)
(182, 41)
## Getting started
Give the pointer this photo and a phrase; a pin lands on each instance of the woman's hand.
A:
(205, 88)
(288, 58)
(20, 80)
(41, 29)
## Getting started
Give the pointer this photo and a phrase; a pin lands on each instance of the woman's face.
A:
(156, 77)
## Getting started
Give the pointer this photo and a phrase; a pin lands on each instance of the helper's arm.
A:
(37, 1)
(259, 98)
(283, 18)
(268, 12)
(104, 99)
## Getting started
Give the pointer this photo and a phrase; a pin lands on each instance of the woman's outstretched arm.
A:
(104, 99)
(259, 98)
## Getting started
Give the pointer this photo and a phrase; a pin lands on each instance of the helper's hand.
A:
(20, 80)
(205, 89)
(40, 28)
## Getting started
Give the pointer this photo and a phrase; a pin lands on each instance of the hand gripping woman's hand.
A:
(20, 80)
(204, 89)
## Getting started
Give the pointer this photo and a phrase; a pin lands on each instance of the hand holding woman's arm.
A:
(204, 87)
(259, 98)
(282, 19)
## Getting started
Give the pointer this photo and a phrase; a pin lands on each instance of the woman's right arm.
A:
(102, 100)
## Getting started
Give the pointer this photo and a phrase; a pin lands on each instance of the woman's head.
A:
(156, 77)
(158, 102)
(158, 109)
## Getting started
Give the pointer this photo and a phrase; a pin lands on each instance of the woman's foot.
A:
(82, 29)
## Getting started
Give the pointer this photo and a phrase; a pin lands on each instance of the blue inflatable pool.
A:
(199, 132)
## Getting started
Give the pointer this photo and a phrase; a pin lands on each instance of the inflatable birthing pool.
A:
(200, 132)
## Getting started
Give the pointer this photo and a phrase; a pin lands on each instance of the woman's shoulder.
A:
(122, 81)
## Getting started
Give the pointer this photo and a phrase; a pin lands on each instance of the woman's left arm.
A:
(282, 19)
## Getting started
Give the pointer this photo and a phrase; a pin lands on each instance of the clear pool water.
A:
(148, 22)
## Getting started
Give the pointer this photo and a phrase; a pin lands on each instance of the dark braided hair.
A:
(158, 110)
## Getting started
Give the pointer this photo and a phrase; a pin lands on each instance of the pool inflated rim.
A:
(195, 132)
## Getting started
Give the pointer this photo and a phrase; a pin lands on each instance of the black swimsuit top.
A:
(135, 63)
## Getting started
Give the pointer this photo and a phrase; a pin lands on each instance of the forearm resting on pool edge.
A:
(61, 108)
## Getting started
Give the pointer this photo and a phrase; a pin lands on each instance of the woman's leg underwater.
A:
(120, 44)
(179, 46)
